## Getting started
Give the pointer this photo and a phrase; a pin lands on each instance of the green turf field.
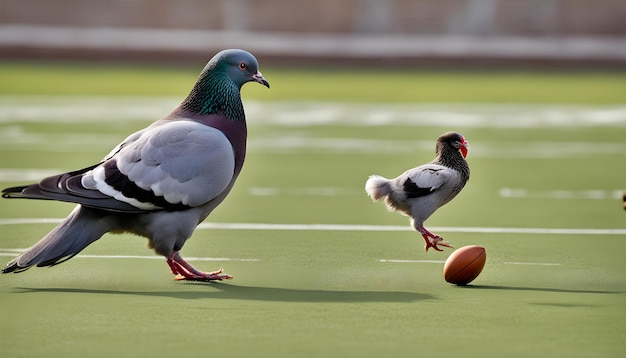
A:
(320, 270)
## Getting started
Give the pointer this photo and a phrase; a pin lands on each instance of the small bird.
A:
(419, 192)
(160, 182)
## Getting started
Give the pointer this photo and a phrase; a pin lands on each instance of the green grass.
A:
(360, 85)
(325, 293)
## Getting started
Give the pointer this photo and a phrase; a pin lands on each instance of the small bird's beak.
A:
(463, 148)
(258, 77)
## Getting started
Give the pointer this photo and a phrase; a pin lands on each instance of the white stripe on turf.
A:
(13, 252)
(379, 228)
(532, 263)
(85, 109)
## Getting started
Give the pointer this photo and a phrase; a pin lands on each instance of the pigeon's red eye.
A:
(242, 66)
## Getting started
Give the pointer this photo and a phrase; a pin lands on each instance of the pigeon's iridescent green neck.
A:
(215, 93)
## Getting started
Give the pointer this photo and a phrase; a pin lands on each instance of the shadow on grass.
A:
(539, 289)
(227, 291)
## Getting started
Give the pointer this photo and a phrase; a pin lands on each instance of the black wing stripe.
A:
(120, 182)
(413, 191)
(68, 188)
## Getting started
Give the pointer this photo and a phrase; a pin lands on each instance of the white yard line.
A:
(590, 194)
(533, 263)
(289, 115)
(86, 109)
(339, 227)
(32, 174)
(412, 261)
(30, 221)
(11, 252)
(377, 228)
(14, 252)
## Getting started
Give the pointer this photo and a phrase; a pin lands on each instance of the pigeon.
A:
(160, 182)
(419, 192)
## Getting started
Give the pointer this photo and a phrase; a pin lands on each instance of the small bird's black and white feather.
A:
(160, 182)
(419, 192)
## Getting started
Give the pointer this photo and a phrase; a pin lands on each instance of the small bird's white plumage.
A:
(420, 191)
(432, 176)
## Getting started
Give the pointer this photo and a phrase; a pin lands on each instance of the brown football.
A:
(464, 264)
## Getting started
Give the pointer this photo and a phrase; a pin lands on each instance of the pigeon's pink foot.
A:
(185, 271)
(436, 240)
(206, 276)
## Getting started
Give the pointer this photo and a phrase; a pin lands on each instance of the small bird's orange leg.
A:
(437, 240)
(185, 271)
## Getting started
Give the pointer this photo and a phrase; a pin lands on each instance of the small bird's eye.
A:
(242, 66)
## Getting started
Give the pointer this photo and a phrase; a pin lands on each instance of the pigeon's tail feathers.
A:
(47, 189)
(377, 187)
(14, 192)
(71, 236)
(68, 187)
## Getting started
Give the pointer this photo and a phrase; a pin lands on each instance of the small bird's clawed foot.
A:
(206, 276)
(437, 240)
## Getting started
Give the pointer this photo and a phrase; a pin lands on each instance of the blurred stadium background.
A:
(431, 32)
(547, 137)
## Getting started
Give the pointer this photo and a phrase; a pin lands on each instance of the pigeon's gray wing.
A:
(173, 166)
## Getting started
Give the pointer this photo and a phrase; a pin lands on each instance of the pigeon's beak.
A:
(463, 148)
(258, 77)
